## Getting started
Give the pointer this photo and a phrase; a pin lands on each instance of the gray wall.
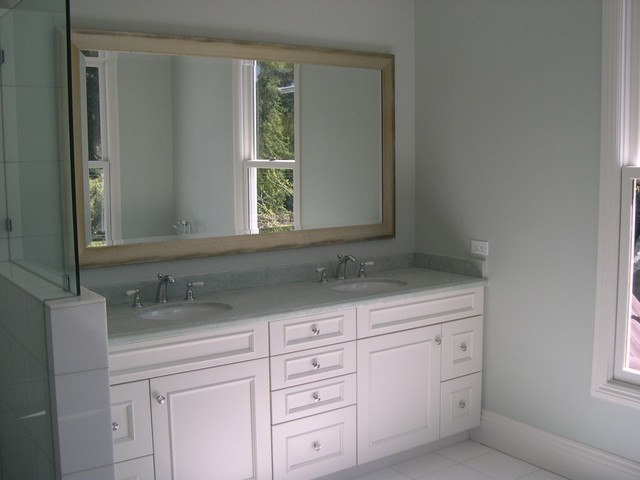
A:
(203, 151)
(144, 85)
(340, 174)
(508, 127)
(374, 25)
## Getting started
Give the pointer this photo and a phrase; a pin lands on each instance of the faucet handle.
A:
(136, 299)
(168, 278)
(189, 293)
(323, 274)
(361, 272)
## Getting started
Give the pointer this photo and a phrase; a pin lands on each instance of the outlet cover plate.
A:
(480, 247)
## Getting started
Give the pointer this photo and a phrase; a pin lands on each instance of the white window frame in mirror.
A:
(203, 247)
(247, 160)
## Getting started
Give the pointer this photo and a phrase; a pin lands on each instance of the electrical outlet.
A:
(480, 247)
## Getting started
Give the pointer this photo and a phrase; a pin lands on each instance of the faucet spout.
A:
(161, 290)
(342, 265)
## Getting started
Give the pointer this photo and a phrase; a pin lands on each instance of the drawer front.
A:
(180, 354)
(461, 347)
(136, 469)
(312, 398)
(460, 404)
(398, 315)
(311, 365)
(315, 446)
(131, 420)
(312, 331)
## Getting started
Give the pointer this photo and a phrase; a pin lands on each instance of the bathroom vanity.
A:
(297, 381)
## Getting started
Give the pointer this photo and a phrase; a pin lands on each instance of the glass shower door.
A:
(38, 230)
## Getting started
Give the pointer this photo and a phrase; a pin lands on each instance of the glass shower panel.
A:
(36, 145)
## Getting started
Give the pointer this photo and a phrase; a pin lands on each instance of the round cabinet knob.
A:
(317, 446)
(315, 330)
(462, 404)
(161, 399)
(316, 365)
(438, 340)
(316, 397)
(463, 347)
(115, 426)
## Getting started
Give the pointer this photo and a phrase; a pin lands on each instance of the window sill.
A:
(619, 392)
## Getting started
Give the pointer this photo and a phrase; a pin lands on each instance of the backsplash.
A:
(302, 272)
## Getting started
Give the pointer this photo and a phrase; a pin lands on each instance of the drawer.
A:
(131, 420)
(136, 469)
(311, 365)
(312, 398)
(398, 315)
(177, 354)
(460, 404)
(461, 347)
(312, 331)
(315, 446)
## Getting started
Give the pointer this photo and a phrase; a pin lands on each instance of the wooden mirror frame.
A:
(211, 246)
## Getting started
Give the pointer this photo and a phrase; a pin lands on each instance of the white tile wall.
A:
(77, 330)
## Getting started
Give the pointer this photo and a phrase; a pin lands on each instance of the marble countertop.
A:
(277, 302)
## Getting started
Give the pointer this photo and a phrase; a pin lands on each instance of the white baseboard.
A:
(551, 452)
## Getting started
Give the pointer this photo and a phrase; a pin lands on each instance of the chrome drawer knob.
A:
(438, 340)
(316, 364)
(317, 446)
(463, 347)
(315, 331)
(115, 426)
(461, 404)
(316, 397)
(161, 399)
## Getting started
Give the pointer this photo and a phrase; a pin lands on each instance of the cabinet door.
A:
(213, 423)
(398, 392)
(131, 420)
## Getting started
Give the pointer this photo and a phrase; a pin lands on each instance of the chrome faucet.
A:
(342, 264)
(161, 291)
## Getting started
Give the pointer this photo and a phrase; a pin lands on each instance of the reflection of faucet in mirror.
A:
(161, 291)
(182, 227)
(342, 263)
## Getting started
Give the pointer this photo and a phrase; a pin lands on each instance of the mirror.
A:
(192, 147)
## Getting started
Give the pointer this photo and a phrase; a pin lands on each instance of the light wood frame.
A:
(204, 247)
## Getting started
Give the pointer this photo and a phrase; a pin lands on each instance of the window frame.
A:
(247, 161)
(106, 63)
(619, 138)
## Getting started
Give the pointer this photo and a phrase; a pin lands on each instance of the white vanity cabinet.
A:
(300, 397)
(313, 394)
(403, 398)
(193, 407)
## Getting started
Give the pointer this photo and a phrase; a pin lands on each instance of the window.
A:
(100, 155)
(627, 346)
(615, 373)
(268, 154)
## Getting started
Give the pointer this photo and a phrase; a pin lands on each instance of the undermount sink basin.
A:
(367, 285)
(183, 311)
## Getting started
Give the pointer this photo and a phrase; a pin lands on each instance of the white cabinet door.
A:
(213, 423)
(131, 420)
(398, 392)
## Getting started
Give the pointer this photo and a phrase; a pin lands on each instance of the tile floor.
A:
(467, 460)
